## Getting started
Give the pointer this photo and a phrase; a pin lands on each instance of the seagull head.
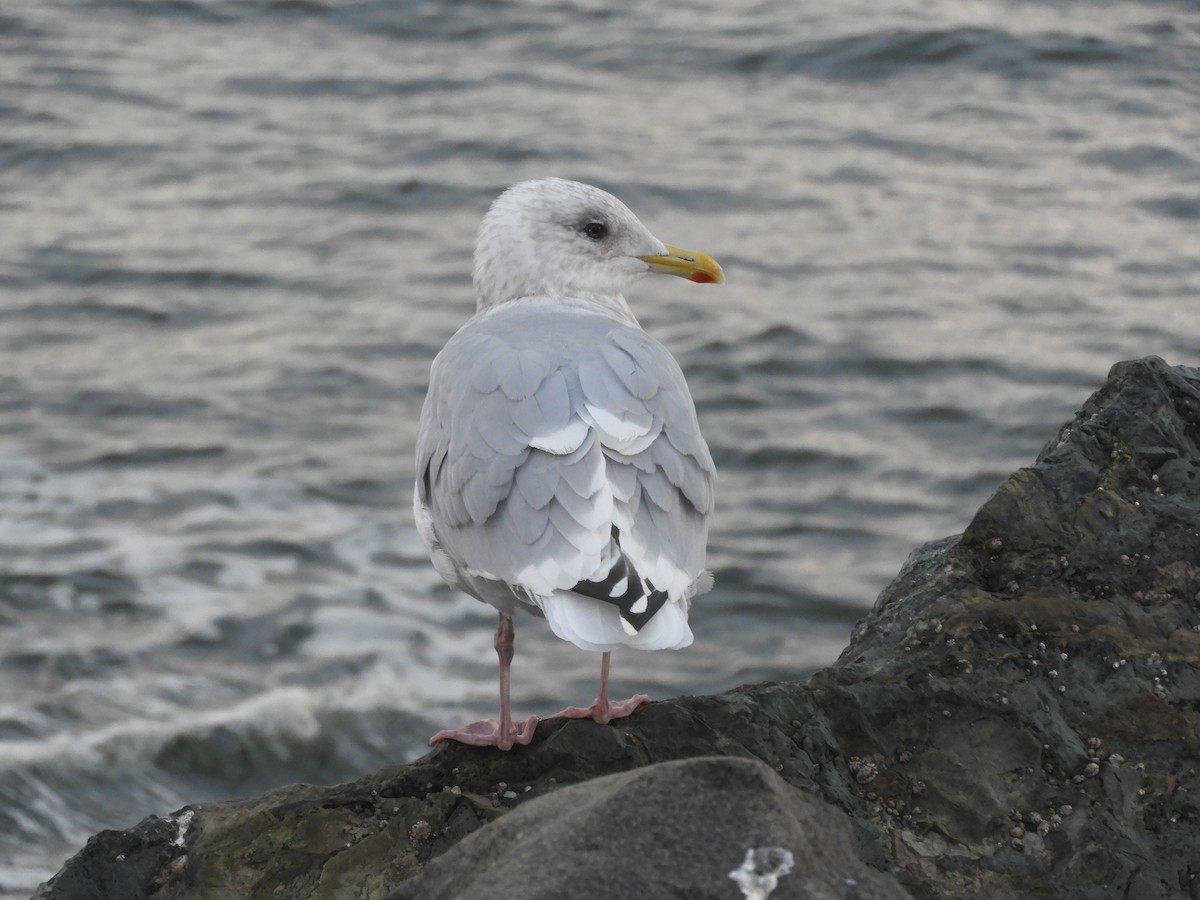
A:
(557, 238)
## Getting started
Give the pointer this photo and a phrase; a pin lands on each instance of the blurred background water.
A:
(234, 234)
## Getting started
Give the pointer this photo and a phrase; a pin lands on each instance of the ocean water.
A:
(234, 234)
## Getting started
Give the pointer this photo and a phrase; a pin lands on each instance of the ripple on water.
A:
(412, 194)
(878, 55)
(104, 404)
(1174, 206)
(151, 455)
(1141, 158)
(95, 590)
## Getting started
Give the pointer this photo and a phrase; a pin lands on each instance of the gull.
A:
(560, 465)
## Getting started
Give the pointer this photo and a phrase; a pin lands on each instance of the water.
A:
(233, 235)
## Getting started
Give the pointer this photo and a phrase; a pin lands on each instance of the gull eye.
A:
(596, 230)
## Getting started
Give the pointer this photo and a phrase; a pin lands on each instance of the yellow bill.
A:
(690, 264)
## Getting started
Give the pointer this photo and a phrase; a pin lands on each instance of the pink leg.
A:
(603, 710)
(489, 732)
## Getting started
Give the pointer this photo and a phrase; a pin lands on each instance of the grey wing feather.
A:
(531, 449)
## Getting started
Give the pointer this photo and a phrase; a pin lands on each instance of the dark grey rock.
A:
(676, 829)
(1018, 717)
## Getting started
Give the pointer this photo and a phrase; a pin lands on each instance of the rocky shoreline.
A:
(1017, 717)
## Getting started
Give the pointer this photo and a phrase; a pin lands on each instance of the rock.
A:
(1018, 717)
(676, 829)
(1062, 627)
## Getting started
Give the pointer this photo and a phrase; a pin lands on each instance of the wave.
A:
(1174, 206)
(876, 55)
(407, 19)
(148, 455)
(55, 792)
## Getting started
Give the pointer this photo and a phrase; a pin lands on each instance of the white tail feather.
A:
(595, 625)
(668, 630)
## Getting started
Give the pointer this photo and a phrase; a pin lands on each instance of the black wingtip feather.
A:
(635, 590)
